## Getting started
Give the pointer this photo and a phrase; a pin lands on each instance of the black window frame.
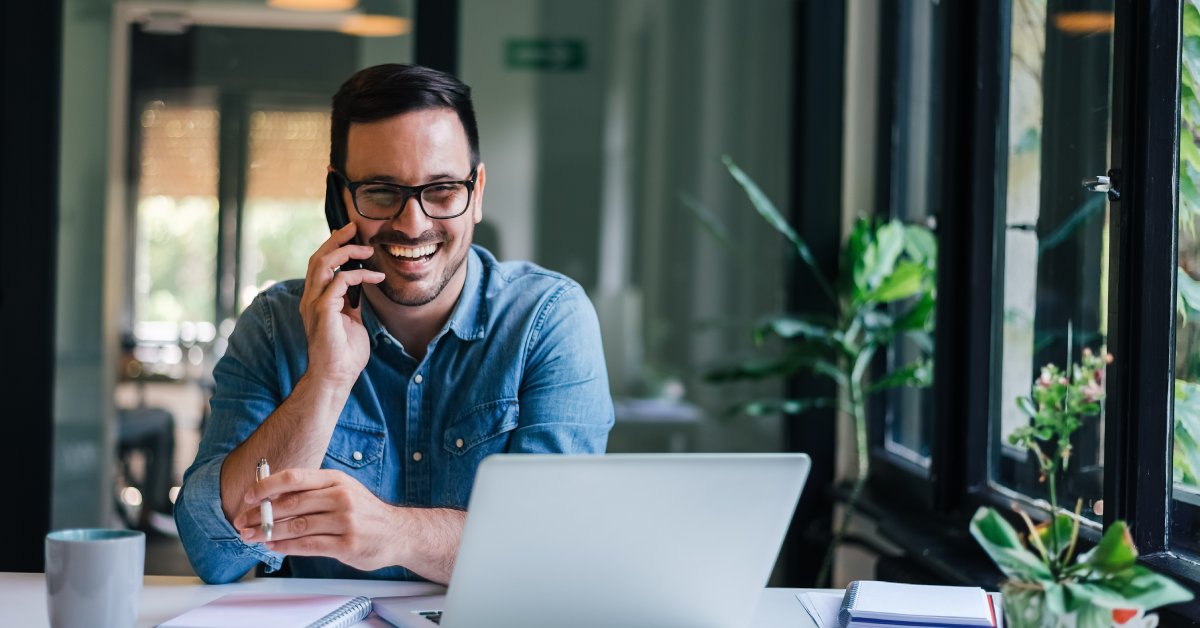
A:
(1143, 244)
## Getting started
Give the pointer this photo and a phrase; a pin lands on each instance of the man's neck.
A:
(416, 326)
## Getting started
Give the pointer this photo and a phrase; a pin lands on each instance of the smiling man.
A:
(375, 418)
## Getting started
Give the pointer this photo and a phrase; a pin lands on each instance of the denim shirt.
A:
(517, 368)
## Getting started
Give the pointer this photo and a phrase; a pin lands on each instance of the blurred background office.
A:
(194, 138)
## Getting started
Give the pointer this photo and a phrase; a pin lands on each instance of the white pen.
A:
(261, 472)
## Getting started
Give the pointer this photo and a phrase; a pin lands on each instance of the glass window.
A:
(176, 246)
(1053, 256)
(915, 185)
(1186, 450)
(283, 219)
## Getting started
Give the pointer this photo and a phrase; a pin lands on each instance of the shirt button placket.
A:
(420, 479)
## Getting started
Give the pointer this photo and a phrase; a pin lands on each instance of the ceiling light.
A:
(313, 5)
(1084, 22)
(376, 25)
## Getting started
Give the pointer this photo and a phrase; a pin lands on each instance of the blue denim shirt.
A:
(517, 368)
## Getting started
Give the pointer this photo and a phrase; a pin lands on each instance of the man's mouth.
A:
(411, 253)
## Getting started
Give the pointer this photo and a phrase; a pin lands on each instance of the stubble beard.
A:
(410, 295)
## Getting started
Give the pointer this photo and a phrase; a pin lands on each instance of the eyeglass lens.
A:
(439, 201)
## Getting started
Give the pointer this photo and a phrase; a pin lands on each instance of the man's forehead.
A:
(423, 143)
(416, 121)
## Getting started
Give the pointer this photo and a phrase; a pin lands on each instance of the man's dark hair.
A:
(387, 90)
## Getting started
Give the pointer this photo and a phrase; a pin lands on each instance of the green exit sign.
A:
(545, 55)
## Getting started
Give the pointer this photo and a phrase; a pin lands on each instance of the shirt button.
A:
(416, 456)
(356, 455)
(458, 443)
(387, 340)
(418, 379)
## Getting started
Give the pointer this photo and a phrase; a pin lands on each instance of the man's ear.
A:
(480, 180)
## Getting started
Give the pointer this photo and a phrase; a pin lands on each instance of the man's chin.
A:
(409, 294)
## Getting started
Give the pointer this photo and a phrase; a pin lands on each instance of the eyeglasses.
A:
(440, 200)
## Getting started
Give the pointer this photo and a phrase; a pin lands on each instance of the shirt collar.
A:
(468, 318)
(470, 313)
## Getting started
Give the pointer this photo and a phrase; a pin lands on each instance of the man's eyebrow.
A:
(387, 178)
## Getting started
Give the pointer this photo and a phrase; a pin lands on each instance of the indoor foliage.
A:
(1048, 583)
(885, 290)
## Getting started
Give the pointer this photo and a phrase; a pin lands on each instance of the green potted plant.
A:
(885, 290)
(1048, 584)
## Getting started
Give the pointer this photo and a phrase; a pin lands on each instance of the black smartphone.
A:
(336, 216)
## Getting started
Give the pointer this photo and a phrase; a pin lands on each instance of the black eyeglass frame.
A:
(407, 192)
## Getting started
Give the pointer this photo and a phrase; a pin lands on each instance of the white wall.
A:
(669, 86)
(507, 117)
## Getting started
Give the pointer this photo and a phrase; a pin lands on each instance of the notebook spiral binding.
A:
(847, 604)
(346, 615)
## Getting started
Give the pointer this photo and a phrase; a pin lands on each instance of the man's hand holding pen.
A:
(323, 512)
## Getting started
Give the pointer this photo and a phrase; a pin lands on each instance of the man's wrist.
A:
(325, 387)
(401, 554)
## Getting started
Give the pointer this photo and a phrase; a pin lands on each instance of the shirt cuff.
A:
(204, 502)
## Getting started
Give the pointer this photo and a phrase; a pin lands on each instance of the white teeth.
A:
(410, 252)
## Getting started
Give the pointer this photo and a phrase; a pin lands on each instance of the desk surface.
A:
(23, 598)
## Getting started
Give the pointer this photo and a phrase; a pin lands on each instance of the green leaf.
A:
(767, 210)
(918, 375)
(1058, 599)
(1191, 20)
(791, 327)
(856, 256)
(920, 315)
(903, 282)
(1114, 553)
(1189, 154)
(920, 245)
(1150, 590)
(709, 220)
(1189, 290)
(1004, 547)
(765, 368)
(752, 369)
(889, 244)
(1063, 525)
(1187, 427)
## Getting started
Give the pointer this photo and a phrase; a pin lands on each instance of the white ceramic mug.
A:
(94, 577)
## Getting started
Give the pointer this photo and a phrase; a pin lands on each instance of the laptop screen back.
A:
(633, 539)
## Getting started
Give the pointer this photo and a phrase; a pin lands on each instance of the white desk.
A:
(23, 598)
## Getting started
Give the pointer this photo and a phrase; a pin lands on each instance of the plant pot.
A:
(1025, 607)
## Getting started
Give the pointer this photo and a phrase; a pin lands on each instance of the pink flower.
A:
(1093, 392)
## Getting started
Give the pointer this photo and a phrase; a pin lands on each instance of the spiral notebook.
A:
(275, 610)
(872, 603)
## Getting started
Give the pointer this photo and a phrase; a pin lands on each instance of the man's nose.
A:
(411, 220)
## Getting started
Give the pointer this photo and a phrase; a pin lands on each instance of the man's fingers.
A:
(291, 481)
(320, 523)
(343, 280)
(315, 545)
(321, 268)
(338, 249)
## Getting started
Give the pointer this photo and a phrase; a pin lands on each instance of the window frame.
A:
(1141, 307)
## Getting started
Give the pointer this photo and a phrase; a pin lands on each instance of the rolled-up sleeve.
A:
(565, 402)
(246, 393)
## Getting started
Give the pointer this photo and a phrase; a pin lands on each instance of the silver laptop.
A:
(617, 540)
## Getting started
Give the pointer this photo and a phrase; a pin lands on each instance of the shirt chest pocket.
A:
(478, 433)
(358, 452)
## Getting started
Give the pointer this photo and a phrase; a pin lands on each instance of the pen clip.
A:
(261, 470)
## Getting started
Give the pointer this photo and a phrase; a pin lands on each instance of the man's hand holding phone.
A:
(338, 346)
